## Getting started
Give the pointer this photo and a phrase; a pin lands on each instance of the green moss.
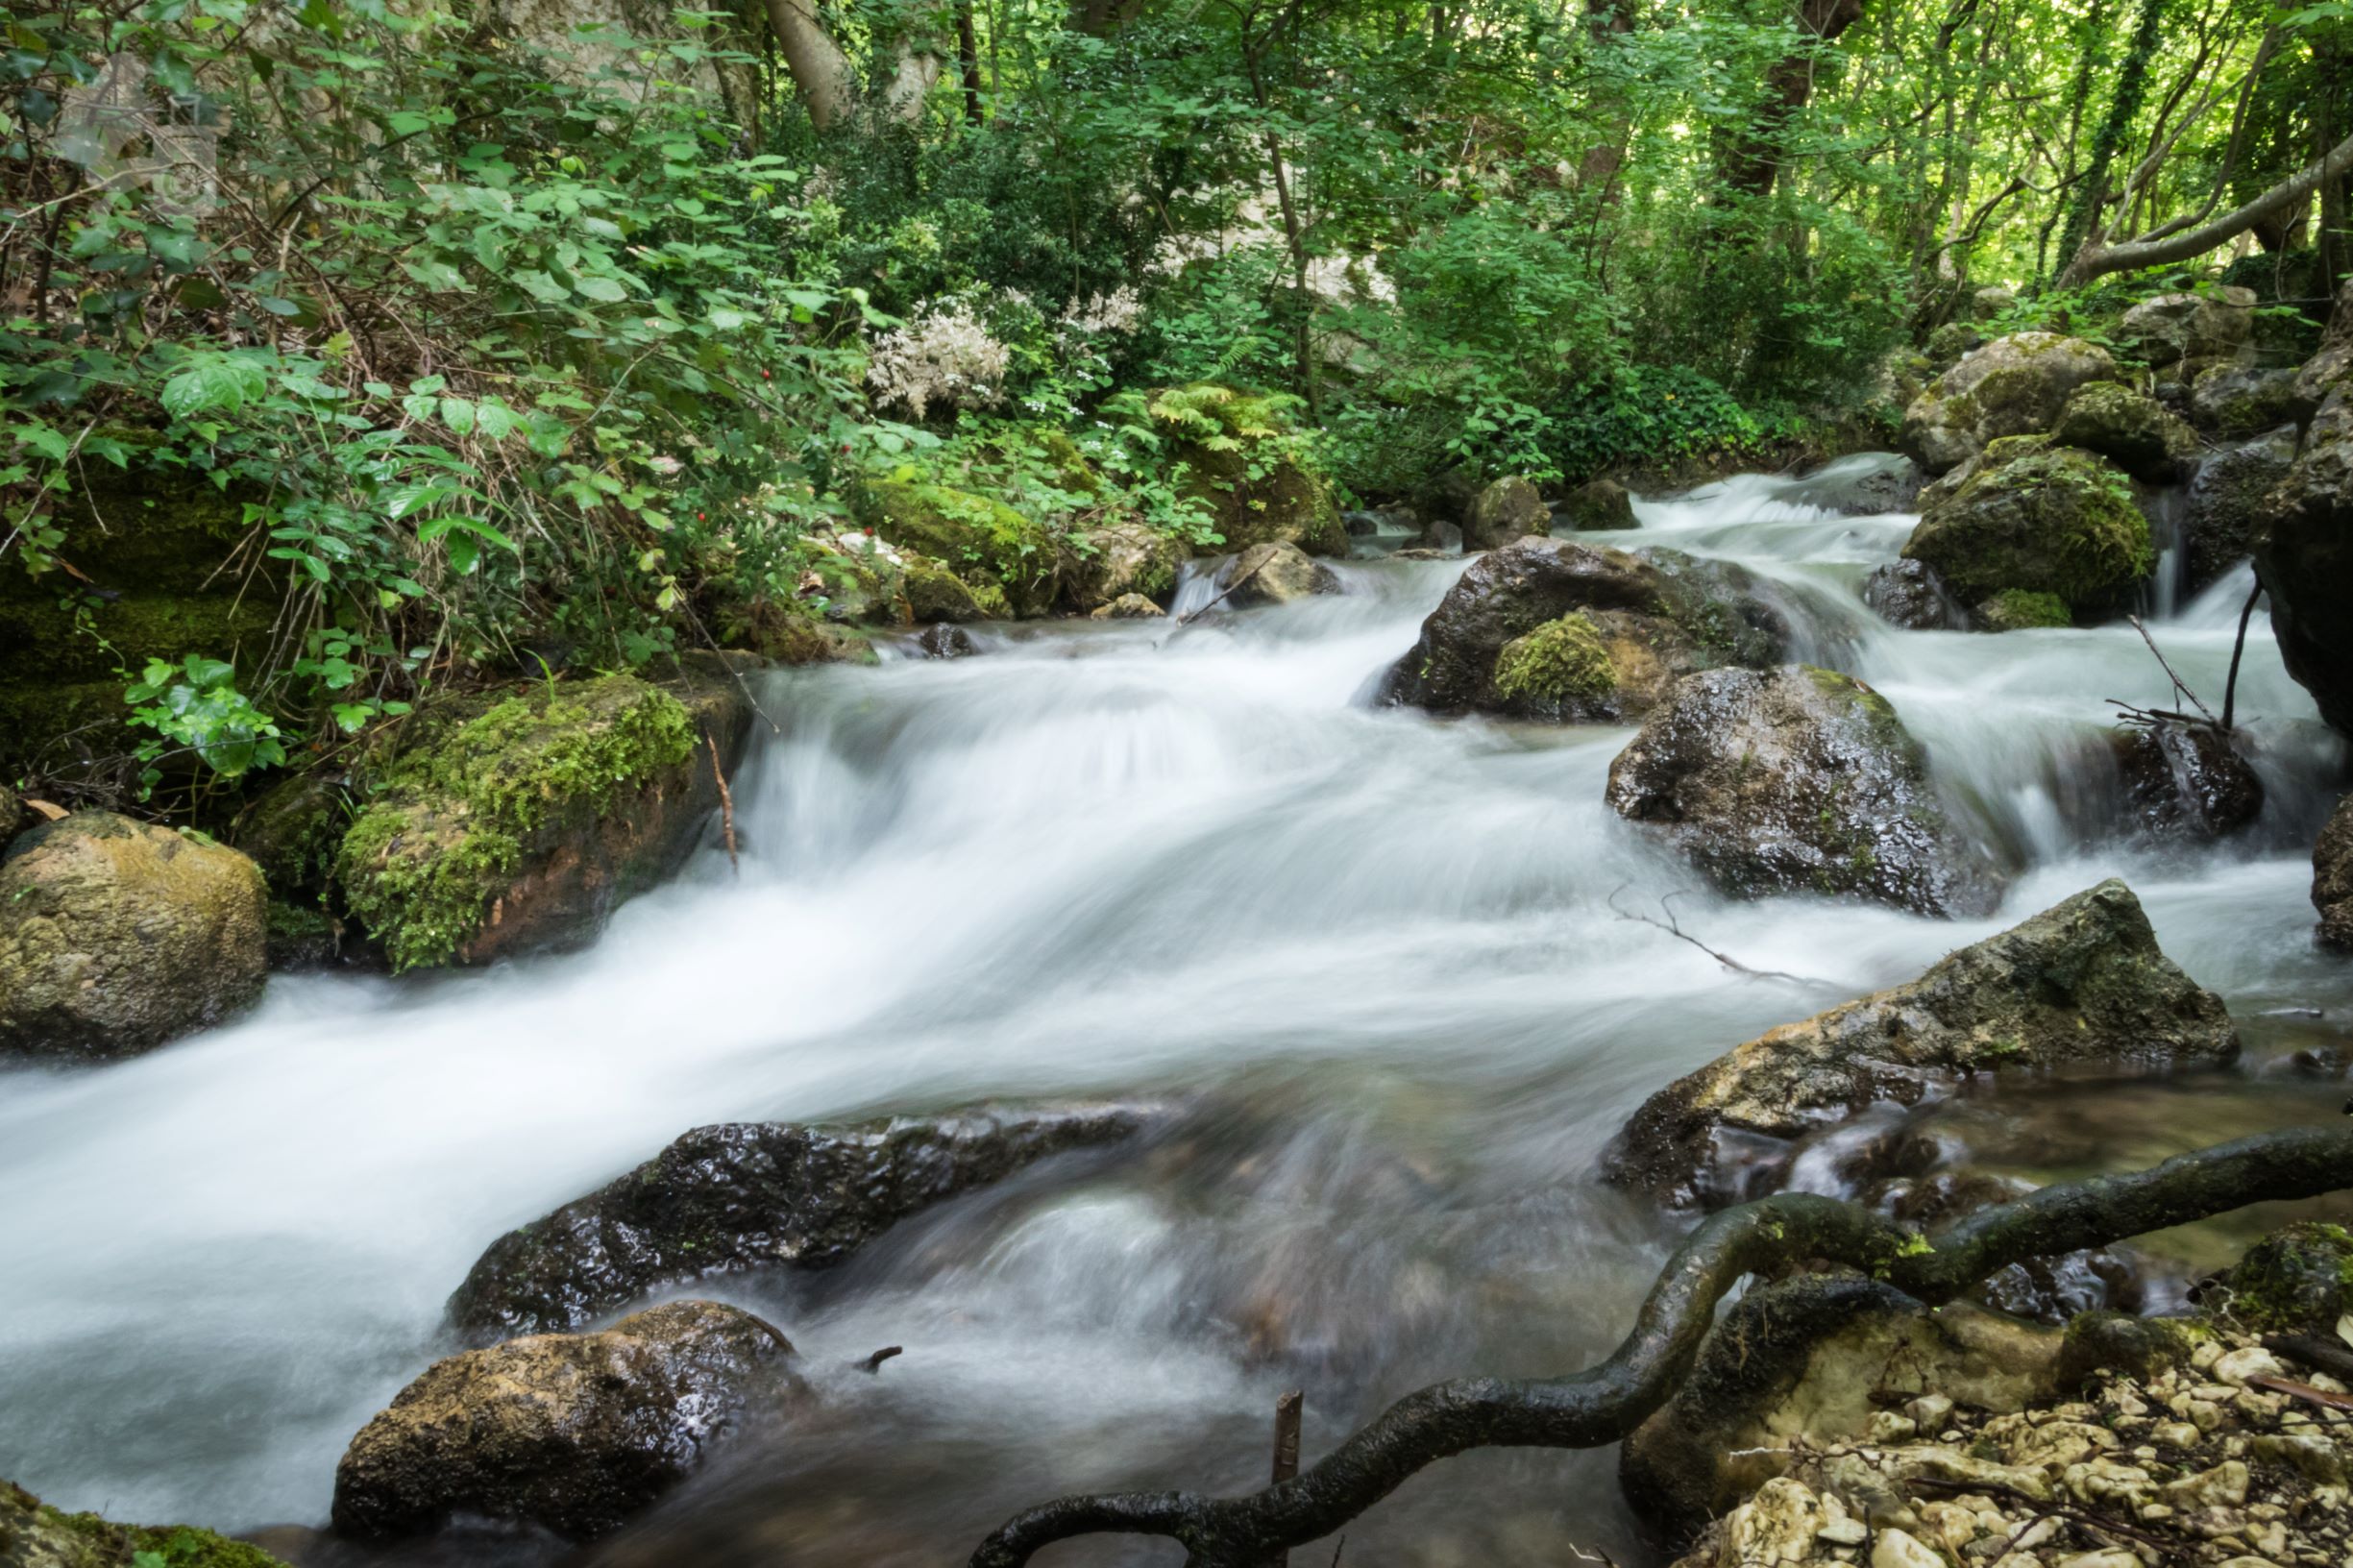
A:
(978, 537)
(1239, 459)
(2056, 521)
(34, 1532)
(448, 825)
(2016, 609)
(1560, 661)
(44, 726)
(2299, 1279)
(935, 594)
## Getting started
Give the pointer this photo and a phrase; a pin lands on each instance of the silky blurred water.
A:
(1375, 956)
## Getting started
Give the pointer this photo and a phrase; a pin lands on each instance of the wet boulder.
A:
(575, 1432)
(1598, 506)
(1274, 573)
(2235, 401)
(117, 936)
(946, 642)
(2186, 781)
(518, 824)
(2014, 385)
(1797, 780)
(2225, 501)
(979, 538)
(1658, 616)
(2296, 1280)
(1909, 594)
(2082, 985)
(2132, 430)
(1816, 1357)
(2171, 328)
(2332, 878)
(2303, 548)
(1127, 608)
(746, 1196)
(1862, 484)
(2052, 521)
(2330, 370)
(33, 1534)
(1106, 564)
(1505, 510)
(2047, 1289)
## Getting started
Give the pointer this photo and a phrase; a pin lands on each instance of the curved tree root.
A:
(1606, 1402)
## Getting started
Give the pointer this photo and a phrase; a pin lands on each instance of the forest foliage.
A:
(506, 335)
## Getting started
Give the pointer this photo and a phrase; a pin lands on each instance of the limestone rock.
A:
(1599, 504)
(575, 1432)
(116, 936)
(1909, 594)
(2081, 984)
(2052, 521)
(1800, 781)
(2013, 385)
(1127, 608)
(2239, 401)
(2186, 781)
(2135, 432)
(2171, 328)
(746, 1196)
(1505, 510)
(1106, 564)
(1274, 573)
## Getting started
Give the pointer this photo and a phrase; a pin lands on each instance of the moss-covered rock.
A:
(1797, 780)
(1273, 574)
(520, 825)
(118, 936)
(1560, 663)
(2171, 328)
(1503, 510)
(790, 635)
(2130, 429)
(293, 829)
(575, 1432)
(937, 595)
(2297, 1280)
(978, 537)
(2019, 609)
(2303, 548)
(2053, 520)
(35, 1535)
(1105, 564)
(2014, 385)
(1598, 506)
(2332, 878)
(1239, 458)
(2234, 401)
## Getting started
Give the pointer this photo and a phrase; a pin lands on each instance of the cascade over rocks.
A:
(2186, 781)
(2133, 431)
(1862, 484)
(2052, 521)
(1505, 510)
(117, 936)
(1656, 615)
(1797, 780)
(1274, 573)
(571, 1432)
(2332, 878)
(2014, 385)
(2225, 502)
(746, 1196)
(2083, 985)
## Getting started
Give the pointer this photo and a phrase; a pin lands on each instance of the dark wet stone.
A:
(2332, 878)
(2303, 547)
(946, 642)
(1909, 594)
(746, 1196)
(2297, 1280)
(2186, 781)
(2225, 499)
(2045, 1289)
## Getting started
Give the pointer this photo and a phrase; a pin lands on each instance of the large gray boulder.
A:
(746, 1196)
(1106, 564)
(1797, 780)
(2226, 502)
(2083, 985)
(1570, 632)
(1909, 594)
(2134, 432)
(1506, 510)
(2234, 401)
(2014, 385)
(116, 936)
(571, 1432)
(2171, 328)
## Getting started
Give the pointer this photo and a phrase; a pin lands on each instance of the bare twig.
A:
(2181, 687)
(2230, 687)
(1674, 928)
(874, 1362)
(1190, 616)
(727, 803)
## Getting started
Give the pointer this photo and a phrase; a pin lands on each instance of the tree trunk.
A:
(967, 58)
(819, 69)
(1755, 161)
(2280, 201)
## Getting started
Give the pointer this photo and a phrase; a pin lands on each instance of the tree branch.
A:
(2288, 193)
(1603, 1402)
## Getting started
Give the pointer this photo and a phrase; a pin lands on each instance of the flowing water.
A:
(1378, 960)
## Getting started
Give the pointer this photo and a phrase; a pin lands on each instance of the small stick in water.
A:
(726, 802)
(2230, 687)
(1674, 927)
(1286, 1449)
(874, 1362)
(2179, 685)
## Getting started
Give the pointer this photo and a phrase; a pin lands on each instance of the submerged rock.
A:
(2133, 431)
(1865, 484)
(1821, 1356)
(1909, 594)
(116, 936)
(1506, 510)
(1598, 506)
(1274, 573)
(2014, 385)
(946, 642)
(1797, 780)
(1656, 617)
(573, 1431)
(35, 1535)
(520, 825)
(746, 1196)
(2083, 985)
(2226, 500)
(2052, 521)
(2187, 781)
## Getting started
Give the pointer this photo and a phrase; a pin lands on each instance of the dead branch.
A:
(727, 803)
(2181, 687)
(1606, 1402)
(1674, 928)
(1190, 616)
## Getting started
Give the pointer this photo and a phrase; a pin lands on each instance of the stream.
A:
(1379, 962)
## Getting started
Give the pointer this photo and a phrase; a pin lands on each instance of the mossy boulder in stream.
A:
(2014, 385)
(518, 824)
(1273, 574)
(1104, 565)
(1656, 617)
(573, 1431)
(116, 936)
(2235, 401)
(2053, 519)
(1503, 510)
(1239, 458)
(2082, 985)
(1797, 780)
(2297, 1280)
(748, 1196)
(979, 538)
(1599, 505)
(2130, 429)
(33, 1534)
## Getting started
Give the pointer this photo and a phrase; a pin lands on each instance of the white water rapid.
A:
(1376, 953)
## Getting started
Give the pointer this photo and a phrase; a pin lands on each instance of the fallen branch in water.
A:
(2181, 687)
(1190, 616)
(1604, 1403)
(1674, 928)
(726, 802)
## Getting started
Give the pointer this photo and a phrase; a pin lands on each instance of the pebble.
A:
(1900, 1549)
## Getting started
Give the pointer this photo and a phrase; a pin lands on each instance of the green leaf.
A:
(606, 289)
